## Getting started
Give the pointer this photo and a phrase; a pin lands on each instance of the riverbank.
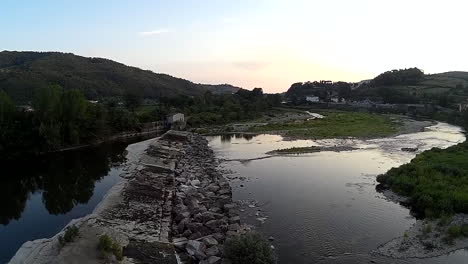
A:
(296, 125)
(428, 238)
(172, 204)
(433, 185)
(323, 207)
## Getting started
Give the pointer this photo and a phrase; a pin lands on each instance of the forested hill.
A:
(411, 85)
(21, 73)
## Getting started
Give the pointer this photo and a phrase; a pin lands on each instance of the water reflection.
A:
(323, 207)
(226, 138)
(64, 179)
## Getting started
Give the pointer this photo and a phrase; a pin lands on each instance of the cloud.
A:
(154, 32)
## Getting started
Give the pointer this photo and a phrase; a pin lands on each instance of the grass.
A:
(436, 181)
(249, 248)
(71, 233)
(108, 246)
(336, 125)
(296, 150)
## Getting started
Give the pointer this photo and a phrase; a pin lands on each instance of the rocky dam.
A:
(172, 206)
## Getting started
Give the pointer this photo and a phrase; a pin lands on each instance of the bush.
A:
(435, 180)
(454, 231)
(445, 220)
(427, 229)
(249, 248)
(70, 234)
(464, 230)
(107, 245)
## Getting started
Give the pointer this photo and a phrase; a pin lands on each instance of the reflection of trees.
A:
(226, 137)
(67, 179)
(13, 197)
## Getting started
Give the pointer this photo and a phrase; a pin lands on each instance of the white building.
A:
(312, 99)
(176, 118)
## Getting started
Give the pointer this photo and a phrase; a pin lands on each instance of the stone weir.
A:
(172, 206)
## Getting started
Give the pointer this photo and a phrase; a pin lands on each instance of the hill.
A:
(442, 88)
(411, 85)
(221, 88)
(22, 72)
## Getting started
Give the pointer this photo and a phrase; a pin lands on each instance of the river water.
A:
(39, 197)
(323, 207)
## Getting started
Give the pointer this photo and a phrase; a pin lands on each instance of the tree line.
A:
(63, 117)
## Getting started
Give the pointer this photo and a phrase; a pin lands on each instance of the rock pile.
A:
(203, 213)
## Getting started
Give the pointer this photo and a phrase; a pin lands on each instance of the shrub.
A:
(454, 231)
(249, 248)
(107, 245)
(464, 230)
(70, 234)
(445, 220)
(427, 229)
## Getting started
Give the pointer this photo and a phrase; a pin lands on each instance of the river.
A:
(40, 196)
(323, 207)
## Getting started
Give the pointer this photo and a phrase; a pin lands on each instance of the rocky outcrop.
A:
(172, 206)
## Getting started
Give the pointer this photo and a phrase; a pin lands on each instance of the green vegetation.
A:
(398, 77)
(60, 118)
(71, 233)
(436, 181)
(21, 73)
(296, 150)
(335, 125)
(444, 220)
(108, 246)
(249, 248)
(212, 109)
(454, 232)
(427, 229)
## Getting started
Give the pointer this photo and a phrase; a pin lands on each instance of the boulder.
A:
(213, 224)
(230, 206)
(234, 219)
(210, 241)
(196, 249)
(233, 227)
(212, 251)
(182, 224)
(211, 260)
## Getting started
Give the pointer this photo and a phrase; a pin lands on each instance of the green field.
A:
(436, 181)
(336, 125)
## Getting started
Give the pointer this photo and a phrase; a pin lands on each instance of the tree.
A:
(7, 108)
(48, 110)
(132, 100)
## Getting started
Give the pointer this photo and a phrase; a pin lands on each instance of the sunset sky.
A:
(248, 43)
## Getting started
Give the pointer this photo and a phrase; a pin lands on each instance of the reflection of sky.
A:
(440, 135)
(323, 207)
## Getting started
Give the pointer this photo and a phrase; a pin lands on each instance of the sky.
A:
(249, 43)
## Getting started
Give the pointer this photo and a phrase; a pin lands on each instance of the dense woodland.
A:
(63, 117)
(21, 73)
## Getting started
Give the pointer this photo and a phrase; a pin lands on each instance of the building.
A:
(25, 108)
(312, 99)
(176, 121)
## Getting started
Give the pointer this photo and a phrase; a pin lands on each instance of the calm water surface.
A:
(39, 197)
(324, 207)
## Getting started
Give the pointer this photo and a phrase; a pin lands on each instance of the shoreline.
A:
(172, 205)
(407, 125)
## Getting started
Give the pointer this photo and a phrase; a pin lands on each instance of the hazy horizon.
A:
(268, 44)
